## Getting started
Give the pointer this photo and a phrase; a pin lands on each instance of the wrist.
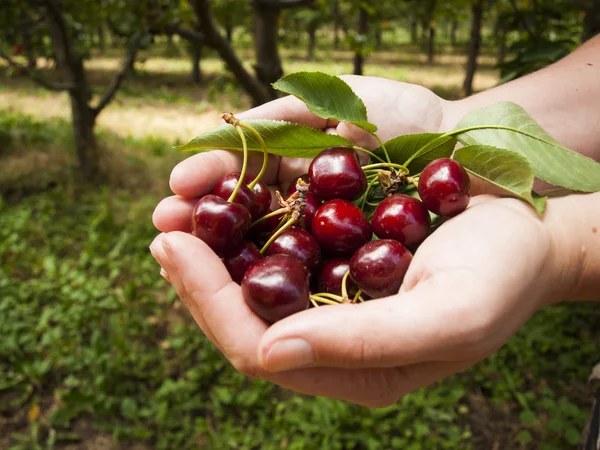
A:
(574, 224)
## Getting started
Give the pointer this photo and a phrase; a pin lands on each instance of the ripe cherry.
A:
(341, 228)
(331, 276)
(299, 244)
(238, 259)
(378, 268)
(444, 187)
(276, 287)
(336, 174)
(257, 200)
(222, 225)
(402, 218)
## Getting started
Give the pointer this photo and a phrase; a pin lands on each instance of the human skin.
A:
(471, 285)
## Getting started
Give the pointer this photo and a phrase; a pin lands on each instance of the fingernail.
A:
(288, 354)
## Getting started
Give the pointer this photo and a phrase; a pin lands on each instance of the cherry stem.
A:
(367, 191)
(382, 145)
(325, 298)
(371, 154)
(275, 235)
(268, 216)
(344, 286)
(357, 296)
(244, 164)
(261, 141)
(382, 165)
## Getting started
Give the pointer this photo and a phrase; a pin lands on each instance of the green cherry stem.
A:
(382, 145)
(344, 285)
(358, 297)
(384, 165)
(367, 192)
(275, 235)
(261, 141)
(371, 154)
(268, 216)
(244, 164)
(318, 298)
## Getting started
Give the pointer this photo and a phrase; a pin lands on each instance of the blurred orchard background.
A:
(96, 352)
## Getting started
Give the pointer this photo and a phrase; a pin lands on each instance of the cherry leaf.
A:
(327, 96)
(281, 138)
(504, 168)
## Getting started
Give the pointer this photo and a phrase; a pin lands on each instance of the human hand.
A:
(396, 108)
(471, 285)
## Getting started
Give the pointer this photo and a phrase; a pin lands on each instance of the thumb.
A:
(431, 322)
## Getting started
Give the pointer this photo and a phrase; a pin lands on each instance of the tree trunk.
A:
(501, 44)
(196, 56)
(268, 64)
(71, 66)
(229, 28)
(378, 37)
(362, 29)
(312, 41)
(414, 31)
(431, 26)
(336, 24)
(216, 41)
(474, 45)
(453, 32)
(591, 21)
(101, 38)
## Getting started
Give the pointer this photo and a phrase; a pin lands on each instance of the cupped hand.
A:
(471, 285)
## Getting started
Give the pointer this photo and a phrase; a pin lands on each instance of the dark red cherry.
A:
(259, 233)
(310, 208)
(336, 174)
(263, 197)
(239, 259)
(299, 244)
(222, 225)
(378, 268)
(292, 187)
(341, 228)
(227, 184)
(276, 287)
(402, 218)
(331, 276)
(444, 187)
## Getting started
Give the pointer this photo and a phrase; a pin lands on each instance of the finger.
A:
(197, 175)
(216, 302)
(290, 109)
(426, 323)
(357, 136)
(174, 214)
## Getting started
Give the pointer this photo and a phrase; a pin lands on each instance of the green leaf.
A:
(281, 138)
(502, 167)
(327, 96)
(418, 149)
(507, 125)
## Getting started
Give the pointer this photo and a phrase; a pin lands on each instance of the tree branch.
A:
(186, 33)
(127, 65)
(35, 77)
(284, 4)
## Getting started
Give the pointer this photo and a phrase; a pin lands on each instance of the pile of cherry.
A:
(318, 247)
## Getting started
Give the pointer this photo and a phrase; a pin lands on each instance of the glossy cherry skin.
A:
(341, 228)
(239, 259)
(263, 197)
(292, 187)
(257, 200)
(331, 276)
(222, 225)
(336, 174)
(378, 268)
(310, 209)
(402, 218)
(299, 244)
(276, 287)
(444, 187)
(259, 233)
